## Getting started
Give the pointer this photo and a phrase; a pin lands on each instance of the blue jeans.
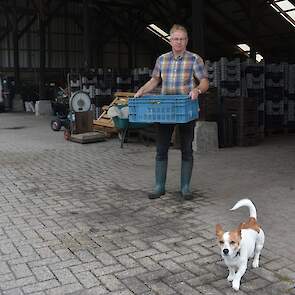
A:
(164, 133)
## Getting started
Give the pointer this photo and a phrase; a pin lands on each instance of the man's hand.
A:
(138, 93)
(195, 93)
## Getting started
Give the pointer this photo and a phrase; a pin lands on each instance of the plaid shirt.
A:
(179, 74)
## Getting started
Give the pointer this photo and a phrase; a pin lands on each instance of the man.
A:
(178, 71)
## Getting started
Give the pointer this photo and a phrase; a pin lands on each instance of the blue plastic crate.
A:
(163, 109)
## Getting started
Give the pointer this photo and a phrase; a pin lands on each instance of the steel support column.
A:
(253, 30)
(131, 41)
(197, 37)
(15, 49)
(86, 35)
(42, 45)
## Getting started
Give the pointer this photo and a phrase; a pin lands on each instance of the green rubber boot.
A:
(160, 172)
(186, 174)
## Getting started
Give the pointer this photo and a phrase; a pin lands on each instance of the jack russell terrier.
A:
(238, 245)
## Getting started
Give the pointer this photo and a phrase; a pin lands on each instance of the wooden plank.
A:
(124, 94)
(105, 111)
(104, 122)
(108, 131)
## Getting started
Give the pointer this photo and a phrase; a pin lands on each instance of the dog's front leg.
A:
(238, 276)
(231, 274)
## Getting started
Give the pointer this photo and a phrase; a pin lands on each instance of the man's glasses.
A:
(178, 39)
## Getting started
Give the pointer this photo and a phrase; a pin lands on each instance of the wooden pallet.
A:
(88, 137)
(104, 122)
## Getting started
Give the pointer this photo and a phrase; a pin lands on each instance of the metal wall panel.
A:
(62, 47)
(57, 25)
(58, 60)
(57, 42)
(73, 28)
(9, 41)
(35, 27)
(35, 56)
(35, 41)
(23, 42)
(78, 42)
(4, 60)
(76, 60)
(110, 60)
(23, 58)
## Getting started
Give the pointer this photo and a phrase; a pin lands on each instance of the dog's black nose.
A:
(225, 251)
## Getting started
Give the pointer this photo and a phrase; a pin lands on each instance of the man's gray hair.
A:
(177, 27)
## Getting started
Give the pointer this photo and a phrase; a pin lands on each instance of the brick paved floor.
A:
(75, 219)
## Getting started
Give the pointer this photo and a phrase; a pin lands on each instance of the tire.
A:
(55, 125)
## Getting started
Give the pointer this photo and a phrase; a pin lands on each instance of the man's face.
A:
(178, 41)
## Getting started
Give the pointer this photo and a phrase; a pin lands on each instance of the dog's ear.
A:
(219, 231)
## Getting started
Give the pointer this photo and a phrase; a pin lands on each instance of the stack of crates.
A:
(124, 81)
(74, 80)
(213, 69)
(104, 82)
(100, 81)
(230, 77)
(135, 79)
(89, 82)
(140, 77)
(209, 105)
(229, 86)
(290, 94)
(274, 97)
(109, 80)
(243, 111)
(254, 76)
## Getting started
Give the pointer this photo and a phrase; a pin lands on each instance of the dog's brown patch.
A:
(219, 232)
(235, 237)
(251, 223)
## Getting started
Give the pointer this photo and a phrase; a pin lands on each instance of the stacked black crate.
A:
(291, 98)
(103, 81)
(92, 83)
(209, 105)
(230, 77)
(89, 82)
(74, 82)
(100, 82)
(8, 92)
(144, 75)
(103, 89)
(141, 76)
(2, 108)
(109, 82)
(274, 98)
(243, 111)
(135, 80)
(209, 102)
(229, 88)
(254, 78)
(213, 69)
(124, 81)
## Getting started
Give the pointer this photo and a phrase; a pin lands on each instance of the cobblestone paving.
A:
(75, 219)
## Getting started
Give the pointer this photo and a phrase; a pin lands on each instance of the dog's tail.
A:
(246, 203)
